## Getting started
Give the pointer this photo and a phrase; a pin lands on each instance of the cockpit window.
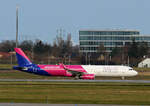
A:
(130, 69)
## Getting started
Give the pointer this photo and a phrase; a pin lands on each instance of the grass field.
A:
(75, 93)
(72, 93)
(6, 66)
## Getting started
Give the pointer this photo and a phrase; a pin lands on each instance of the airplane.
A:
(87, 72)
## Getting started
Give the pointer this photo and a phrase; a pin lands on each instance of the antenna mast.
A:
(17, 26)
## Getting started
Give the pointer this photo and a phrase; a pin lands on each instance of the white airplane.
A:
(110, 70)
(77, 71)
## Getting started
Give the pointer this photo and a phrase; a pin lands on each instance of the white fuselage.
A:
(110, 70)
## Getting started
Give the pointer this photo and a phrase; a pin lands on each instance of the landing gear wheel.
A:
(123, 78)
(76, 78)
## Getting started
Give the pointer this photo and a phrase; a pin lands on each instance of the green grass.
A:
(6, 66)
(75, 93)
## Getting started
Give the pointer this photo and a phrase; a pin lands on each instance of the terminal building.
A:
(90, 40)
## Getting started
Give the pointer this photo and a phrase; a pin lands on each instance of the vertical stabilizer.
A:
(22, 58)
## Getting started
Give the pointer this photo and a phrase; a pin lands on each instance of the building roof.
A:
(145, 60)
(126, 30)
(4, 54)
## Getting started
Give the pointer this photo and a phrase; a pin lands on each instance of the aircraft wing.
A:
(75, 72)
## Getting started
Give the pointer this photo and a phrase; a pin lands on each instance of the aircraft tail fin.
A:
(22, 58)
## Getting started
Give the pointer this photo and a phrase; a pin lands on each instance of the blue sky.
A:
(40, 19)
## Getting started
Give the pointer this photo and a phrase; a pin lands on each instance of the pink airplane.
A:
(76, 71)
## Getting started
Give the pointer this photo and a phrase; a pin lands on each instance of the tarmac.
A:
(49, 80)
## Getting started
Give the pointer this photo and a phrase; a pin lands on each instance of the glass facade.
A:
(89, 41)
(109, 32)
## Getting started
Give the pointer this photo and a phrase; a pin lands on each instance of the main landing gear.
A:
(123, 78)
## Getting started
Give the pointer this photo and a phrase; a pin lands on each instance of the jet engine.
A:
(68, 74)
(88, 76)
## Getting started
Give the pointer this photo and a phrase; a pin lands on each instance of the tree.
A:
(115, 52)
(143, 49)
(7, 45)
(69, 44)
(75, 51)
(26, 45)
(41, 48)
(55, 50)
(102, 55)
(60, 45)
(116, 56)
(133, 49)
(101, 49)
(64, 47)
(41, 51)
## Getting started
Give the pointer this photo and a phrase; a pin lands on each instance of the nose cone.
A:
(135, 73)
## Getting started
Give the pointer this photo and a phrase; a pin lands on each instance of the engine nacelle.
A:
(88, 76)
(68, 74)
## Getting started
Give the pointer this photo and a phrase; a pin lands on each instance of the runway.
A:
(49, 80)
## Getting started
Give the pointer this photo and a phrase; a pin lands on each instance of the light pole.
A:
(89, 58)
(128, 61)
(123, 53)
(17, 26)
(69, 59)
(86, 58)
